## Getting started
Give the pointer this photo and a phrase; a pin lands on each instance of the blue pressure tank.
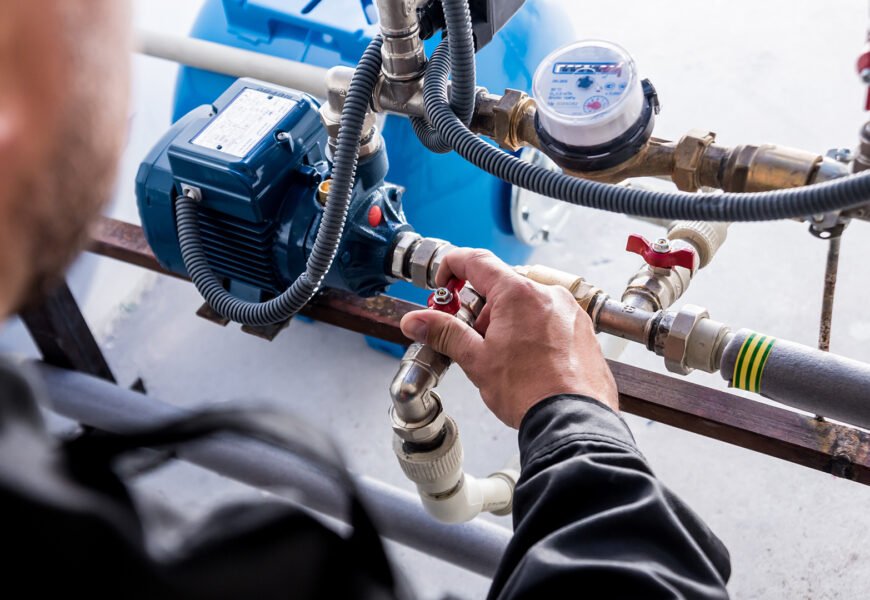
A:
(445, 197)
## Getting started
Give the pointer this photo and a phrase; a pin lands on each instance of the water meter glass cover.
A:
(588, 93)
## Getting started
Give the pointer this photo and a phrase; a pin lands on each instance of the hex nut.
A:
(687, 158)
(676, 344)
(404, 245)
(472, 302)
(504, 116)
(421, 261)
(419, 433)
(437, 259)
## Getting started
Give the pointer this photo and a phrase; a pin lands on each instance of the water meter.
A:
(594, 111)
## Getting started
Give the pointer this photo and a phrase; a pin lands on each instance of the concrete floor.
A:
(779, 71)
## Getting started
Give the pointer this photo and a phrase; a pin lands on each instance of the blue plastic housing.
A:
(445, 196)
(259, 213)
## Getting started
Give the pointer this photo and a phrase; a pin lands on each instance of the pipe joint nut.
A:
(420, 432)
(405, 244)
(507, 114)
(687, 159)
(422, 261)
(437, 471)
(677, 341)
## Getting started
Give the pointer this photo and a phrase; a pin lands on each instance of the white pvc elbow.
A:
(449, 494)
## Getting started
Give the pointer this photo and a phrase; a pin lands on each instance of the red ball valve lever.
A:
(863, 68)
(660, 254)
(446, 299)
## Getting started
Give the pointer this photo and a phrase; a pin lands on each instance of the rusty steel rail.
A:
(841, 450)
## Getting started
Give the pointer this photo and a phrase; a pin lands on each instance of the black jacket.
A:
(590, 516)
(591, 521)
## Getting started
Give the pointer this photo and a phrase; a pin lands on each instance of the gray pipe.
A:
(219, 58)
(805, 378)
(476, 546)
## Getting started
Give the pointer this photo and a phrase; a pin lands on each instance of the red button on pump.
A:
(376, 215)
(660, 254)
(446, 299)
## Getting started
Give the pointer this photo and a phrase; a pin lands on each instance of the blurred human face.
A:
(64, 79)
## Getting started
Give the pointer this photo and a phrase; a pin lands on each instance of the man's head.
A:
(64, 77)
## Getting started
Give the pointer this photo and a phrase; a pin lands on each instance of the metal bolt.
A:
(842, 155)
(443, 296)
(323, 191)
(282, 136)
(865, 75)
(662, 245)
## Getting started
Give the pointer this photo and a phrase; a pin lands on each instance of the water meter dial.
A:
(593, 108)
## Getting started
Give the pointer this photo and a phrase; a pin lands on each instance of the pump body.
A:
(255, 161)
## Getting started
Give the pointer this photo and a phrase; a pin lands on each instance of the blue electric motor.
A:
(256, 162)
(446, 196)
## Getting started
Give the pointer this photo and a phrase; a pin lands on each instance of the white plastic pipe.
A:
(219, 58)
(447, 492)
(474, 496)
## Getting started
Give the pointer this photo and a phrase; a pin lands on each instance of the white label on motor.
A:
(246, 121)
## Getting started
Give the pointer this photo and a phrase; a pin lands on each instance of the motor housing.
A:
(257, 162)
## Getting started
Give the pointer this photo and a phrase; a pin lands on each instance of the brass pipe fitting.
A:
(688, 155)
(584, 292)
(508, 120)
(687, 339)
(655, 159)
(767, 167)
(653, 288)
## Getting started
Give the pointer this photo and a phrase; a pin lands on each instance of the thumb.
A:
(445, 333)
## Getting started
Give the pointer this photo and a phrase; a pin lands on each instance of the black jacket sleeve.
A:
(591, 518)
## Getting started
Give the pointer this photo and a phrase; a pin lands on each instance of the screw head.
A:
(545, 233)
(843, 155)
(443, 296)
(662, 245)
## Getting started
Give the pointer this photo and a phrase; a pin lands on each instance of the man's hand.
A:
(530, 342)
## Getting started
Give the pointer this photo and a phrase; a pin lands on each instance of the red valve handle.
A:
(864, 64)
(446, 299)
(664, 260)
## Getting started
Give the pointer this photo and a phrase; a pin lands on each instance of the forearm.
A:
(590, 515)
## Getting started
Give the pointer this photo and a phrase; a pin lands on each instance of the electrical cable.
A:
(731, 207)
(457, 16)
(332, 224)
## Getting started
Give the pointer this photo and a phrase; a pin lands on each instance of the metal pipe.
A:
(404, 58)
(219, 58)
(806, 378)
(831, 267)
(476, 546)
(764, 428)
(627, 322)
(425, 439)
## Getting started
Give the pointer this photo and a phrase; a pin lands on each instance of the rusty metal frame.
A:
(62, 335)
(841, 450)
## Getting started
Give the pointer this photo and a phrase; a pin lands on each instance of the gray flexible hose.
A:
(331, 227)
(457, 16)
(732, 207)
